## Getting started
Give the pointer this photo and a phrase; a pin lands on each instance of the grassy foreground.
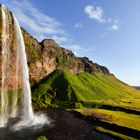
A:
(116, 123)
(117, 117)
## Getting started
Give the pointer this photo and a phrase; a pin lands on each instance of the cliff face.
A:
(45, 57)
(8, 59)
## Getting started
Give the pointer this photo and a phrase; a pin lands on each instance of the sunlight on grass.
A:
(62, 86)
(116, 117)
(101, 129)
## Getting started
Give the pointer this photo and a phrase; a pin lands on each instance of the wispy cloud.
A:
(114, 27)
(114, 24)
(36, 22)
(80, 50)
(60, 39)
(41, 25)
(97, 13)
(75, 48)
(78, 25)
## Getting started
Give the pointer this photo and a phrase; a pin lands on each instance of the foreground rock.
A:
(64, 126)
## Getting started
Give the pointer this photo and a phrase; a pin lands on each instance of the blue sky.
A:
(106, 31)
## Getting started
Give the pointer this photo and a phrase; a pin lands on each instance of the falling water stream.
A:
(27, 110)
(28, 116)
(5, 49)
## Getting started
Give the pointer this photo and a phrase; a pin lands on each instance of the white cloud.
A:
(114, 24)
(41, 25)
(78, 49)
(78, 25)
(34, 21)
(114, 27)
(95, 13)
(74, 48)
(60, 39)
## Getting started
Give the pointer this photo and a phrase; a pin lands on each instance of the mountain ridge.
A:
(46, 56)
(38, 53)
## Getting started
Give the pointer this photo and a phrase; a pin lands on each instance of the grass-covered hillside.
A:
(63, 89)
(111, 105)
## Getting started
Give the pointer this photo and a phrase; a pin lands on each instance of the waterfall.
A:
(28, 118)
(15, 95)
(27, 104)
(5, 49)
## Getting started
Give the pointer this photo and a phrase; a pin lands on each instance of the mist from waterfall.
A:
(27, 114)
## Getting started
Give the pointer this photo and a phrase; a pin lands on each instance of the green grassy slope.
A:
(111, 90)
(62, 88)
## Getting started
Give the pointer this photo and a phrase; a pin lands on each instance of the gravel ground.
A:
(64, 126)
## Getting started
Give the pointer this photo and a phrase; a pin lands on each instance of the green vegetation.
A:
(117, 123)
(10, 96)
(112, 105)
(30, 49)
(101, 129)
(117, 117)
(110, 90)
(42, 138)
(63, 89)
